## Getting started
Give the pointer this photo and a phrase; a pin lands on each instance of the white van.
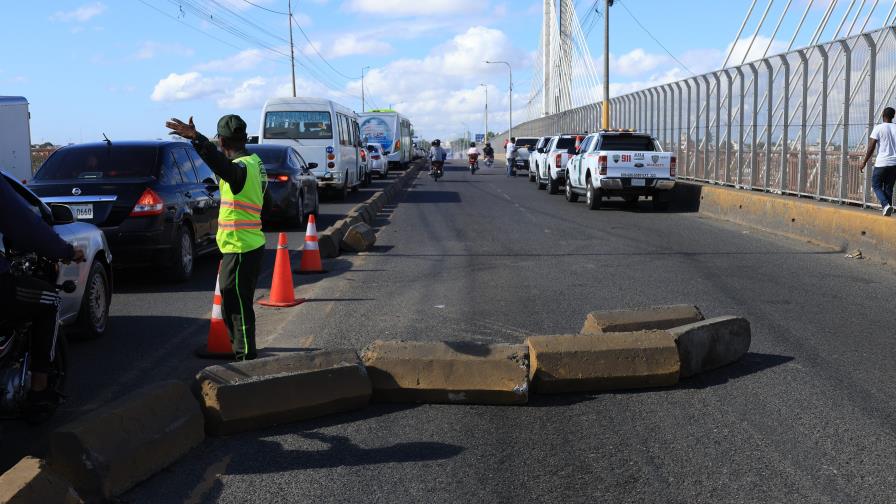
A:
(391, 130)
(324, 132)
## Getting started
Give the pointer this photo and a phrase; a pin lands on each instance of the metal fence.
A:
(795, 123)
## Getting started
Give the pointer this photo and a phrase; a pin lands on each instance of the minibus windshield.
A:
(307, 125)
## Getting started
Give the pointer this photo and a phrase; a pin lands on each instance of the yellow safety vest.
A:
(239, 221)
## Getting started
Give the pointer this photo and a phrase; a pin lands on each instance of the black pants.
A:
(31, 299)
(239, 276)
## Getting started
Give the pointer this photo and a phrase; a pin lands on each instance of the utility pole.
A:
(605, 108)
(292, 50)
(363, 105)
(486, 110)
(509, 95)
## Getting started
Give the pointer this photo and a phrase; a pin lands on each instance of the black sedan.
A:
(156, 201)
(291, 194)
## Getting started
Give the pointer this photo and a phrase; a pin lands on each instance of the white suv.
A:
(552, 173)
(537, 157)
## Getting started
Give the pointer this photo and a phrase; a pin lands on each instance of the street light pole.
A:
(486, 110)
(510, 94)
(363, 104)
(292, 52)
(605, 108)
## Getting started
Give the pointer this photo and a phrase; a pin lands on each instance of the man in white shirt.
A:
(511, 156)
(883, 137)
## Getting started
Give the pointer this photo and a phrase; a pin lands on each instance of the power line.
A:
(265, 8)
(655, 39)
(318, 52)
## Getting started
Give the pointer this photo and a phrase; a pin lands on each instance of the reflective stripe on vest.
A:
(239, 220)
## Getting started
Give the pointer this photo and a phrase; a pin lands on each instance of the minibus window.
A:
(293, 124)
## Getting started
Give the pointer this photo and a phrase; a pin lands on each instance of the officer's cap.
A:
(232, 127)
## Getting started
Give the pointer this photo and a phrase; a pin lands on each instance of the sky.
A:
(122, 67)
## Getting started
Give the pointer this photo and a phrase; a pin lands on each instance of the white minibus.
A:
(324, 132)
(391, 130)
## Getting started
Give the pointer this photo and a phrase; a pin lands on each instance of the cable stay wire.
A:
(682, 65)
(321, 56)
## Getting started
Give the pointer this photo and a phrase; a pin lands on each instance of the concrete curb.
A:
(30, 481)
(448, 372)
(641, 319)
(838, 226)
(108, 451)
(711, 344)
(363, 212)
(260, 393)
(602, 362)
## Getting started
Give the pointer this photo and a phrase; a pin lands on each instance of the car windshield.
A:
(526, 141)
(371, 148)
(301, 125)
(565, 143)
(100, 162)
(627, 143)
(270, 157)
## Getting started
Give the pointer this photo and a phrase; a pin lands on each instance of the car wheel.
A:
(343, 193)
(592, 196)
(553, 186)
(181, 268)
(571, 196)
(539, 184)
(93, 316)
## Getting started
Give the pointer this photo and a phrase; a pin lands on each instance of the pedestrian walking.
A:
(242, 185)
(511, 156)
(883, 177)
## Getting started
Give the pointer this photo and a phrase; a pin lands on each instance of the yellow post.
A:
(605, 112)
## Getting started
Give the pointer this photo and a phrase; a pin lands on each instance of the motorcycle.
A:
(15, 348)
(436, 170)
(489, 161)
(474, 162)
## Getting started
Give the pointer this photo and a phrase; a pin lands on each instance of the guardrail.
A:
(795, 123)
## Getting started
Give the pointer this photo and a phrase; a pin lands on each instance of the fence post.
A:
(872, 78)
(754, 137)
(785, 126)
(716, 170)
(823, 130)
(804, 97)
(740, 129)
(728, 132)
(847, 89)
(677, 136)
(768, 129)
(706, 129)
(687, 138)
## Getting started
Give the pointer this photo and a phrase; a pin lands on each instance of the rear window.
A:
(526, 141)
(627, 143)
(290, 124)
(100, 162)
(270, 157)
(565, 143)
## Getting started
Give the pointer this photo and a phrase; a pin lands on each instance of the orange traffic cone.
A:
(282, 289)
(311, 262)
(218, 342)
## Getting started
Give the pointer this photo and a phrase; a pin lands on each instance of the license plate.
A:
(82, 211)
(638, 182)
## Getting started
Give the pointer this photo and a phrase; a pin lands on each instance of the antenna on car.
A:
(106, 139)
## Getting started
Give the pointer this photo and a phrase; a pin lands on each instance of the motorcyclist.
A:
(437, 154)
(473, 155)
(28, 298)
(488, 150)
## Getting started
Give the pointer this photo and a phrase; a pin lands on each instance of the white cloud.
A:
(151, 49)
(756, 50)
(638, 62)
(403, 8)
(177, 87)
(349, 45)
(239, 62)
(82, 14)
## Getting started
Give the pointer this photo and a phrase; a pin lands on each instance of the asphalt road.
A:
(155, 327)
(807, 416)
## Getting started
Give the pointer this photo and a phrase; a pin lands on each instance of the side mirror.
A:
(540, 150)
(62, 214)
(312, 166)
(211, 185)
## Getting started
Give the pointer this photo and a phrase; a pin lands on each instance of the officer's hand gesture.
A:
(178, 127)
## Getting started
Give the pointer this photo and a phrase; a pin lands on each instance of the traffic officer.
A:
(242, 184)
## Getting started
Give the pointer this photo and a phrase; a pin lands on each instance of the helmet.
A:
(488, 144)
(472, 144)
(436, 142)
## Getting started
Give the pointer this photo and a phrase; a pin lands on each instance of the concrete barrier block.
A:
(448, 372)
(641, 319)
(599, 362)
(329, 244)
(108, 451)
(31, 481)
(711, 344)
(254, 394)
(354, 217)
(359, 238)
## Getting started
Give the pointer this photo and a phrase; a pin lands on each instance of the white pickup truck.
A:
(551, 174)
(621, 163)
(524, 147)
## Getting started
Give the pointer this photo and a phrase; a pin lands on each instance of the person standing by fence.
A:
(883, 137)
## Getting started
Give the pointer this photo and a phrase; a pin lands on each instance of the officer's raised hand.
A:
(180, 128)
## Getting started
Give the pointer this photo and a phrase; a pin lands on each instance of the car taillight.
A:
(397, 144)
(149, 203)
(375, 156)
(331, 157)
(278, 178)
(602, 164)
(331, 165)
(557, 160)
(363, 155)
(673, 165)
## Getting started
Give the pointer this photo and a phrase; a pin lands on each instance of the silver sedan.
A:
(87, 308)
